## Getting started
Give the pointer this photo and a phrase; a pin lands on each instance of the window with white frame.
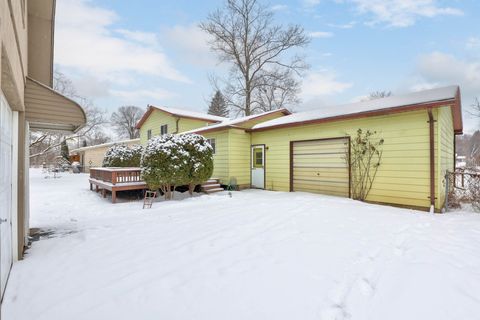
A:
(212, 143)
(164, 129)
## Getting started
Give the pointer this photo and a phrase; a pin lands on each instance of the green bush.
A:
(200, 165)
(120, 155)
(173, 160)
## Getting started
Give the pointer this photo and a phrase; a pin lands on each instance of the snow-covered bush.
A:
(120, 155)
(162, 162)
(173, 160)
(200, 162)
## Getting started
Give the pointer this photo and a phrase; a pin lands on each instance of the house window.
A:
(164, 129)
(149, 134)
(212, 143)
(258, 158)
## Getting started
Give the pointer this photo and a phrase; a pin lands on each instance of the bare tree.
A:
(476, 107)
(244, 35)
(125, 119)
(468, 145)
(281, 90)
(379, 94)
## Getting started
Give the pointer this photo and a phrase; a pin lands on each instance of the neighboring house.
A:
(307, 151)
(92, 156)
(27, 101)
(162, 120)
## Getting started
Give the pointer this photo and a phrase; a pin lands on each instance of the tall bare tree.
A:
(476, 107)
(468, 145)
(379, 94)
(125, 119)
(259, 51)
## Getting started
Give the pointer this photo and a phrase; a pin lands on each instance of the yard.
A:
(255, 255)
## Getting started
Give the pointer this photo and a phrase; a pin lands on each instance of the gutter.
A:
(431, 123)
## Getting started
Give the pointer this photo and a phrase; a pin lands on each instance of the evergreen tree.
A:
(64, 152)
(218, 106)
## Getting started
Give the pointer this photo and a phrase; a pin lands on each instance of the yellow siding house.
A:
(310, 151)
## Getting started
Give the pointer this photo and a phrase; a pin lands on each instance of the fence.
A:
(462, 186)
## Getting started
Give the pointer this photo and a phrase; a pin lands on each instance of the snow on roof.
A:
(233, 122)
(108, 144)
(421, 97)
(191, 114)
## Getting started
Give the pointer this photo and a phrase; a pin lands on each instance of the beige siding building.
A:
(92, 156)
(27, 101)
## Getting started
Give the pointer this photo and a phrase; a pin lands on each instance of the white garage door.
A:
(5, 191)
(321, 166)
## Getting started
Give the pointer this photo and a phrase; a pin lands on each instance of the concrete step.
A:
(213, 190)
(209, 181)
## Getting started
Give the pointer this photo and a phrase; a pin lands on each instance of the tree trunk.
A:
(247, 99)
(191, 187)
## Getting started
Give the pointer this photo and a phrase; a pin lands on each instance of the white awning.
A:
(47, 109)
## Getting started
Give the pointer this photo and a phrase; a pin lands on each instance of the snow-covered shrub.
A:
(163, 162)
(174, 160)
(365, 157)
(136, 151)
(120, 155)
(200, 161)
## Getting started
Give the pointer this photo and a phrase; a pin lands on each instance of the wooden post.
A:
(91, 187)
(114, 196)
(96, 188)
(104, 193)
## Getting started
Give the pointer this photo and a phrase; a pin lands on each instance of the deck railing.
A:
(116, 175)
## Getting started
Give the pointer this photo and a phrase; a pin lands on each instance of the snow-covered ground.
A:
(256, 255)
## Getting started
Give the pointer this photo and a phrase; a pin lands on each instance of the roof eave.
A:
(386, 111)
(151, 109)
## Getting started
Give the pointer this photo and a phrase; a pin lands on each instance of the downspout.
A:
(176, 124)
(431, 123)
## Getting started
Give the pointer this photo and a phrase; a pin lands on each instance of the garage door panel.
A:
(321, 179)
(320, 166)
(320, 183)
(314, 149)
(322, 143)
(6, 149)
(335, 158)
(331, 192)
(337, 174)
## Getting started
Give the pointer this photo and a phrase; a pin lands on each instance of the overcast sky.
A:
(152, 52)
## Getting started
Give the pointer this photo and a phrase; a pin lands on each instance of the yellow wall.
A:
(403, 177)
(158, 118)
(239, 156)
(445, 154)
(221, 156)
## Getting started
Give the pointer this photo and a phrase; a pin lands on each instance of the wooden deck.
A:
(116, 179)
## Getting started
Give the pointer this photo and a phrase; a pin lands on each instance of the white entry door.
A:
(6, 138)
(258, 166)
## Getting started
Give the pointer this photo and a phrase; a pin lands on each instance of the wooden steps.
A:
(212, 185)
